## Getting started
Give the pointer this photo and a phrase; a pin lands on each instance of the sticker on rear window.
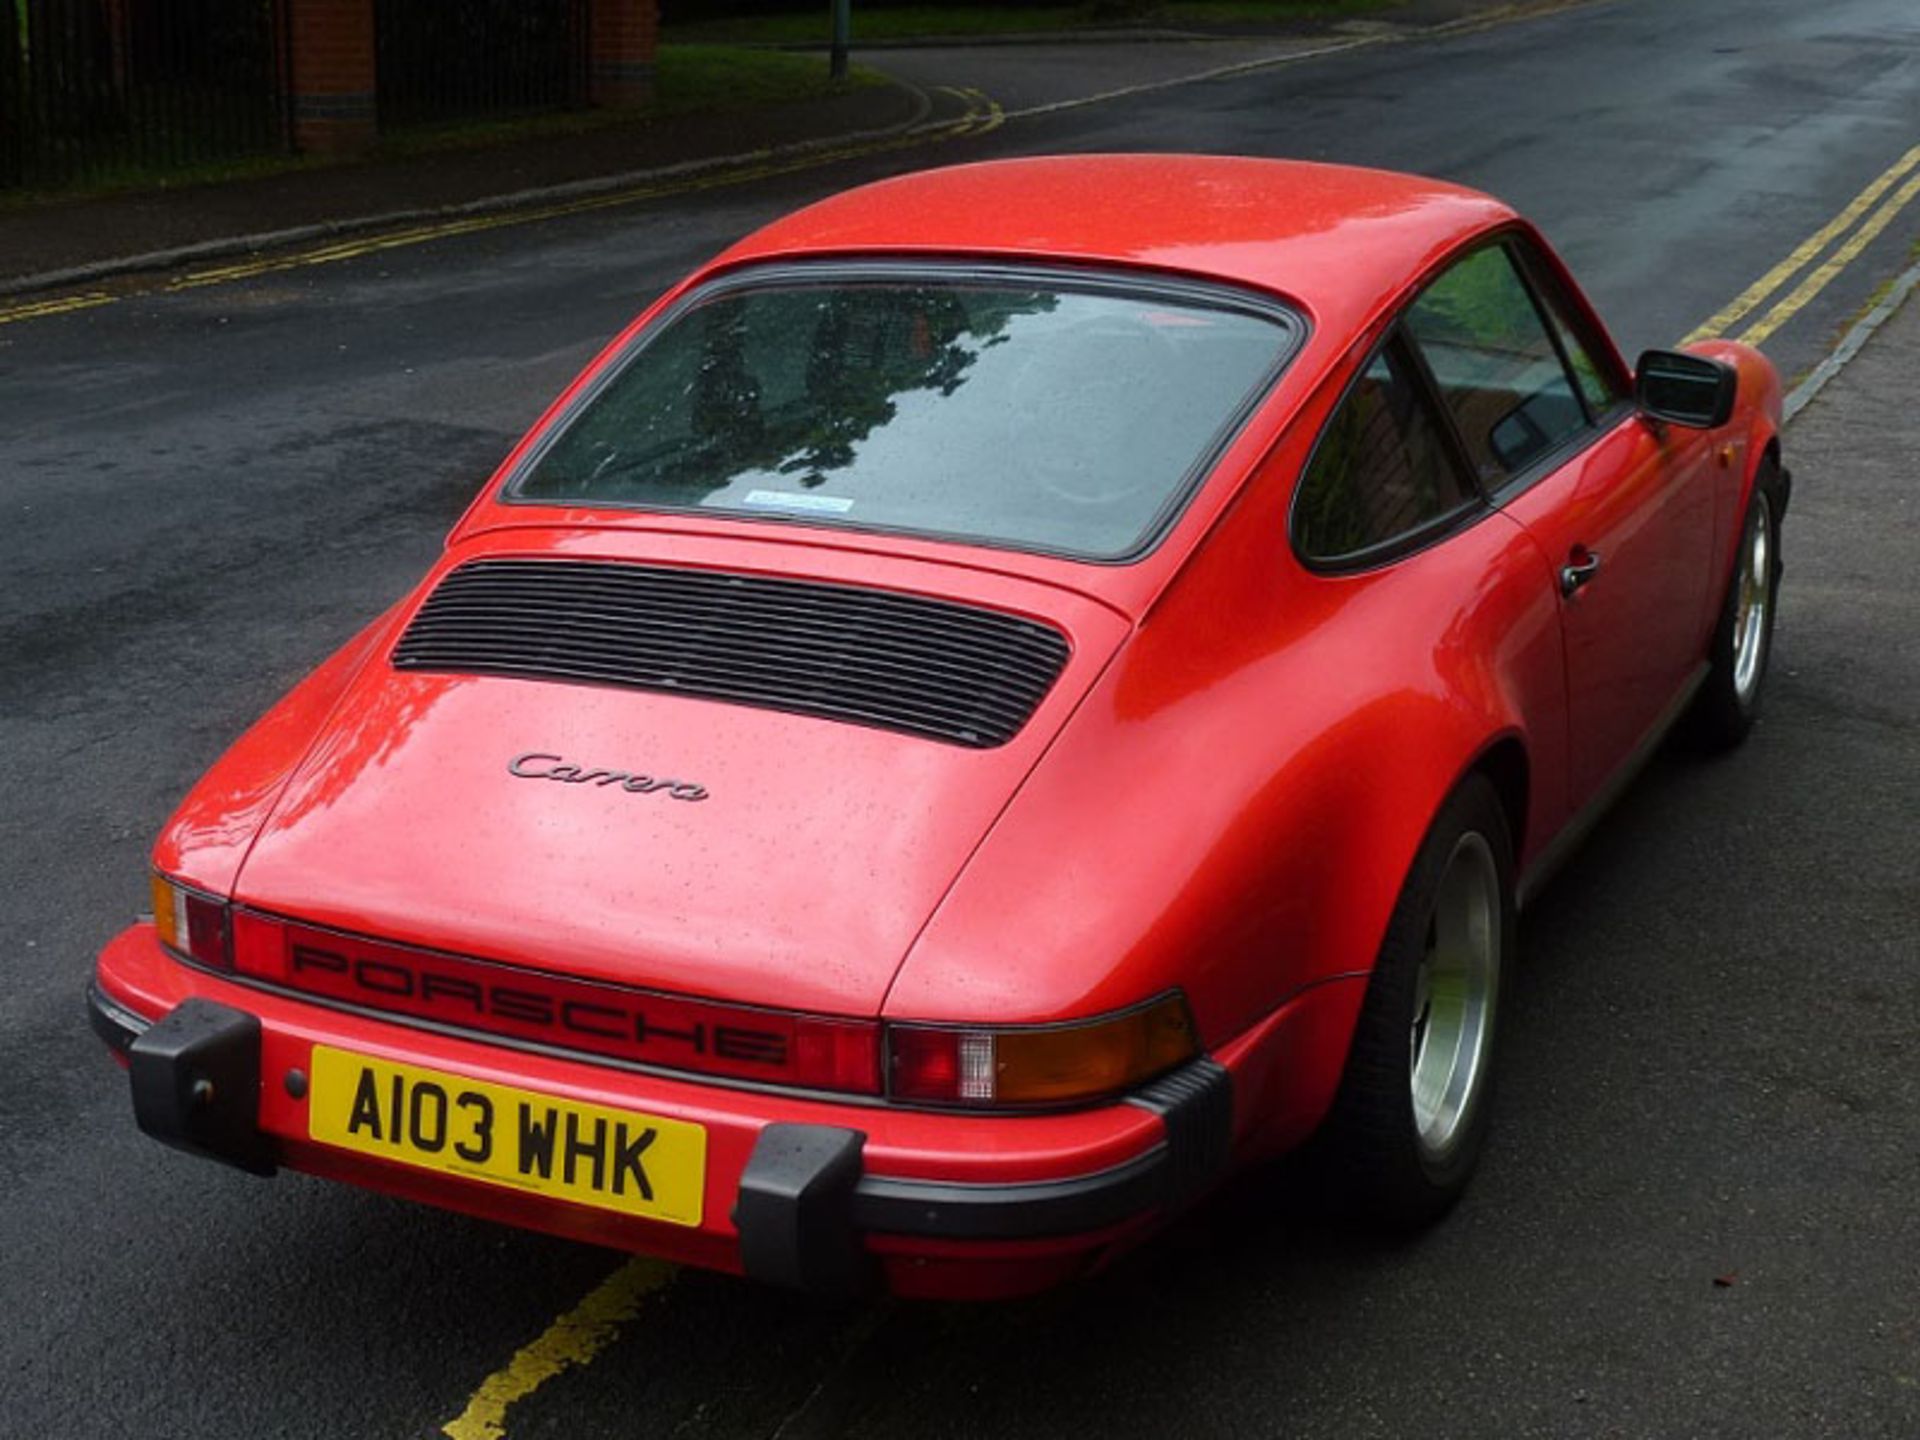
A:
(805, 504)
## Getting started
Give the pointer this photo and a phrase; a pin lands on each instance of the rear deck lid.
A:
(737, 784)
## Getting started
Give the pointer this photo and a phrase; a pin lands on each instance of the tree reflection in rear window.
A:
(1031, 410)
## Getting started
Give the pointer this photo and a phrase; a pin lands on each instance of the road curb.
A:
(1358, 27)
(1851, 344)
(1005, 39)
(486, 205)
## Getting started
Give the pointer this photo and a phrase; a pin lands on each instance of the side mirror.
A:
(1685, 389)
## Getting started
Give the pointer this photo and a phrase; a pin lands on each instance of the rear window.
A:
(1036, 412)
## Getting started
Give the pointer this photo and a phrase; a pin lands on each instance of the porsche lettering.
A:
(381, 981)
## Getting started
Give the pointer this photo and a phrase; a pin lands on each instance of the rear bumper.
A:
(801, 1192)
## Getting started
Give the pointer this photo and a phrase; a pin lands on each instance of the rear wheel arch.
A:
(1504, 764)
(1407, 1122)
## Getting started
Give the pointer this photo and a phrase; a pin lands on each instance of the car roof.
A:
(1336, 238)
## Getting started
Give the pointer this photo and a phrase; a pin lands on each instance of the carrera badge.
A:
(536, 765)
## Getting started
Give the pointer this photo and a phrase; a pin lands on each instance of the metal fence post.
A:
(13, 100)
(842, 38)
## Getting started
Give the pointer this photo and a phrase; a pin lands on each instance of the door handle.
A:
(1581, 567)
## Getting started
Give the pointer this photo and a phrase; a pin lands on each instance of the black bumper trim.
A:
(195, 1076)
(1195, 1103)
(117, 1026)
(796, 1224)
(804, 1201)
(1028, 1210)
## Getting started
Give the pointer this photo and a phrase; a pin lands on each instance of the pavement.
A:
(1696, 1214)
(61, 236)
(47, 244)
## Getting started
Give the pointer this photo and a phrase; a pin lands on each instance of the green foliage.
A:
(688, 79)
(771, 24)
(712, 77)
(1480, 303)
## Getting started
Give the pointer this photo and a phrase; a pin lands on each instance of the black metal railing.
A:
(97, 90)
(447, 60)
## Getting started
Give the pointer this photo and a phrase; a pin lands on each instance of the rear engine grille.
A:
(935, 668)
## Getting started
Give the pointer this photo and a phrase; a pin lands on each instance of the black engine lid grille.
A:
(936, 668)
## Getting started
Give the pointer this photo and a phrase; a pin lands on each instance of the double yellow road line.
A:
(58, 305)
(1817, 279)
(570, 1341)
(981, 115)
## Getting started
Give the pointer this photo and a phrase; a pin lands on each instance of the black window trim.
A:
(1522, 255)
(1551, 294)
(1094, 279)
(1429, 532)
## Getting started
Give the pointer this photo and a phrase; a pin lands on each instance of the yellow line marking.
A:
(61, 305)
(981, 117)
(573, 1339)
(991, 115)
(1818, 280)
(1756, 294)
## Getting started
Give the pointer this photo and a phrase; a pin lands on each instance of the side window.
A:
(1495, 364)
(1381, 469)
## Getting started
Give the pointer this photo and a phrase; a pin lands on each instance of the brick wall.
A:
(331, 73)
(623, 37)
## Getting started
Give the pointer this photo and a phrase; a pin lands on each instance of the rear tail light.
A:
(192, 924)
(836, 1055)
(1040, 1065)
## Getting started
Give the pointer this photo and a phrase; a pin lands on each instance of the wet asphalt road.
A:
(1711, 1068)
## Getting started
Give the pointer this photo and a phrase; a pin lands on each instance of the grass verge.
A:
(901, 22)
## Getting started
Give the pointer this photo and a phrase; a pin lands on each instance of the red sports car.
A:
(1006, 697)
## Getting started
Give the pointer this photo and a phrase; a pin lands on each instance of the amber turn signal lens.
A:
(168, 918)
(193, 924)
(1041, 1065)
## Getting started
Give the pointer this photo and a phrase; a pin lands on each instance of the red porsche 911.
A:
(1008, 696)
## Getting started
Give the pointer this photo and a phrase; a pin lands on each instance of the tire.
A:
(1411, 1115)
(1729, 700)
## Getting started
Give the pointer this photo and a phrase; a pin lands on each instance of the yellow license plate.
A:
(614, 1159)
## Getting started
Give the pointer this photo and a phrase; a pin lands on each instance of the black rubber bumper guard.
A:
(805, 1200)
(195, 1074)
